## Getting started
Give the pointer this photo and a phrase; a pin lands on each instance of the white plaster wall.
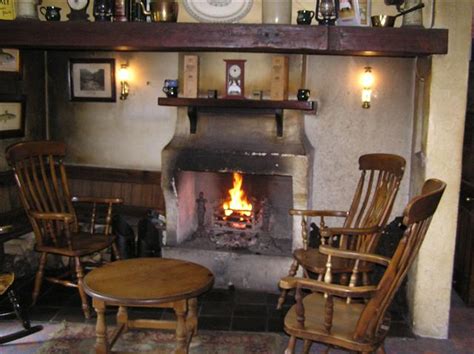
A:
(433, 271)
(342, 130)
(122, 134)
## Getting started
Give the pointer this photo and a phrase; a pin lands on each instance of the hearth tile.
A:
(251, 324)
(277, 314)
(221, 295)
(274, 325)
(400, 329)
(75, 315)
(246, 310)
(168, 315)
(143, 312)
(250, 297)
(216, 309)
(42, 313)
(272, 299)
(214, 323)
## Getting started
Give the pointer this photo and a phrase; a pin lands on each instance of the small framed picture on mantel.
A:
(92, 80)
(12, 116)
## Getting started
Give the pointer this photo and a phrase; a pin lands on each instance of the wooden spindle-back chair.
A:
(363, 223)
(44, 192)
(355, 317)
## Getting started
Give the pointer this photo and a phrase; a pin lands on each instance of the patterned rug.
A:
(76, 338)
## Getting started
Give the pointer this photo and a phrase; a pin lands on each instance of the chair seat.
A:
(344, 323)
(6, 280)
(83, 244)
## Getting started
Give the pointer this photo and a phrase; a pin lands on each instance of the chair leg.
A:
(80, 287)
(291, 273)
(307, 346)
(291, 346)
(22, 316)
(115, 251)
(39, 277)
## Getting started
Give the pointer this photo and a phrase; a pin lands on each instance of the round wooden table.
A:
(148, 282)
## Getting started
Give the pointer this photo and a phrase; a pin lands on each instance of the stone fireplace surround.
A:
(242, 141)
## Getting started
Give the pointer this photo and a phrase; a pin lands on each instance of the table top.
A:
(147, 281)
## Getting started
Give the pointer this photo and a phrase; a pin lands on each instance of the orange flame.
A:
(238, 200)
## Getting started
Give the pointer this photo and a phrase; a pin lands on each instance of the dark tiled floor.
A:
(219, 309)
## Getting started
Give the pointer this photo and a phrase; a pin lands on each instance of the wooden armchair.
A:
(363, 223)
(337, 315)
(44, 192)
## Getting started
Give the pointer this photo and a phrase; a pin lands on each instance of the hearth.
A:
(235, 212)
(197, 172)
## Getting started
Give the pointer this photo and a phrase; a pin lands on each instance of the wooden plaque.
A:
(279, 80)
(191, 76)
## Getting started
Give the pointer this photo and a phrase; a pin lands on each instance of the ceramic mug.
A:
(304, 17)
(303, 94)
(51, 13)
(170, 87)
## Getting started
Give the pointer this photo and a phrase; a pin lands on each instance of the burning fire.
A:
(238, 200)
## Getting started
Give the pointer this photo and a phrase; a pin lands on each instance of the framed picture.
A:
(354, 13)
(9, 60)
(12, 116)
(92, 80)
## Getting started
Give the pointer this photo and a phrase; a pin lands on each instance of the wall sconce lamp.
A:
(367, 81)
(124, 76)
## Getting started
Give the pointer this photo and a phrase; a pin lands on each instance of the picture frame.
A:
(10, 61)
(12, 116)
(92, 80)
(354, 13)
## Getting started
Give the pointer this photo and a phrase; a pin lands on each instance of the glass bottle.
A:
(103, 10)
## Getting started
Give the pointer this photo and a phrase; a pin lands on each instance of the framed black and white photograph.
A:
(354, 12)
(12, 116)
(92, 80)
(10, 61)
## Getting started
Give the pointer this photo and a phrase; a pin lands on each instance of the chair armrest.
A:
(66, 217)
(288, 283)
(367, 257)
(99, 200)
(332, 231)
(334, 213)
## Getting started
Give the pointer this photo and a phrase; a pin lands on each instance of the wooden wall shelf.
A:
(179, 37)
(210, 104)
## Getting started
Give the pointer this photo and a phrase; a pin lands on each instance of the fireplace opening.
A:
(235, 212)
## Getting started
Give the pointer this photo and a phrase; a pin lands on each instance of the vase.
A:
(276, 12)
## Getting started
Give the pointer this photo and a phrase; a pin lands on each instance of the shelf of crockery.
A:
(177, 37)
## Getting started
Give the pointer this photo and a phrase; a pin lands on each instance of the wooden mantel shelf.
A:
(209, 104)
(179, 37)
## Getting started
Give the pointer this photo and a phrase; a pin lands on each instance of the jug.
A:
(161, 10)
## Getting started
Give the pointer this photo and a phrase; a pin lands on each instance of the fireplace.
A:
(198, 171)
(235, 212)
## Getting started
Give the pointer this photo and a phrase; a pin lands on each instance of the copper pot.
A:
(162, 10)
(389, 21)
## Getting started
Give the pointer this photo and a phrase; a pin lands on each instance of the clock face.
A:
(77, 4)
(235, 71)
(234, 74)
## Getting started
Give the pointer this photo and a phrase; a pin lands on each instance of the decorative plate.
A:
(218, 10)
